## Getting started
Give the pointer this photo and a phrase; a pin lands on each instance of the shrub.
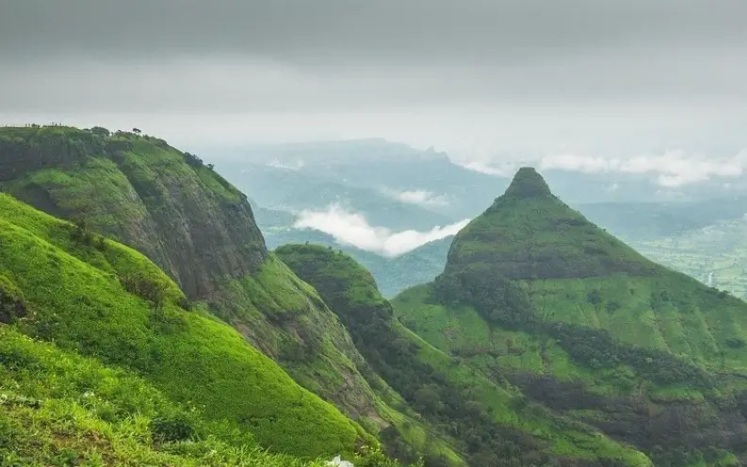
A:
(172, 428)
(735, 342)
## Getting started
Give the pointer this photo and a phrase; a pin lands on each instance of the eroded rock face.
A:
(200, 237)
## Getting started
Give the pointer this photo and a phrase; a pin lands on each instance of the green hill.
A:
(200, 230)
(584, 325)
(481, 414)
(97, 298)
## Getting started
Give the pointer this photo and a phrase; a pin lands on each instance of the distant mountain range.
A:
(399, 188)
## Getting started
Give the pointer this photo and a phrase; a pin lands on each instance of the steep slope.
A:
(165, 203)
(483, 416)
(187, 219)
(59, 408)
(92, 296)
(587, 326)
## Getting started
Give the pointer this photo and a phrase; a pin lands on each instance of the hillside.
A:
(715, 254)
(91, 296)
(588, 327)
(487, 418)
(198, 228)
(164, 203)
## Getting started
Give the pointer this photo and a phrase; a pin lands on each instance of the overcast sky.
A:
(479, 78)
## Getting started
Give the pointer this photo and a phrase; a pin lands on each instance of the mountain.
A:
(651, 221)
(200, 230)
(297, 190)
(402, 188)
(584, 325)
(481, 412)
(392, 185)
(164, 203)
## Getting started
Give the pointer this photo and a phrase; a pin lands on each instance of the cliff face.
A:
(162, 202)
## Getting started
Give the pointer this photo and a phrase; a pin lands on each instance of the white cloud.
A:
(672, 169)
(504, 170)
(579, 163)
(352, 228)
(423, 198)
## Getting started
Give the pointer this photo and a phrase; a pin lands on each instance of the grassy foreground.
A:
(97, 298)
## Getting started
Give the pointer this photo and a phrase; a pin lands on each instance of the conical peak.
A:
(528, 183)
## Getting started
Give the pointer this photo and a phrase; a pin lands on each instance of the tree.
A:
(100, 131)
(137, 131)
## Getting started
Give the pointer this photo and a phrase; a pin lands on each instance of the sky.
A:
(485, 80)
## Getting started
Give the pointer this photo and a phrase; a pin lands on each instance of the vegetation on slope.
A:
(96, 297)
(289, 321)
(582, 323)
(528, 233)
(490, 424)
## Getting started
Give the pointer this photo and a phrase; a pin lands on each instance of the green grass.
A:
(57, 408)
(78, 302)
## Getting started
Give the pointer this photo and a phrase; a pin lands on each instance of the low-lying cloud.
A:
(672, 169)
(351, 228)
(422, 198)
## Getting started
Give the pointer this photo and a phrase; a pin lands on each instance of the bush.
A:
(735, 342)
(152, 291)
(172, 428)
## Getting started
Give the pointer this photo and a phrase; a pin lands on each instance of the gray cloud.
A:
(487, 74)
(358, 30)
